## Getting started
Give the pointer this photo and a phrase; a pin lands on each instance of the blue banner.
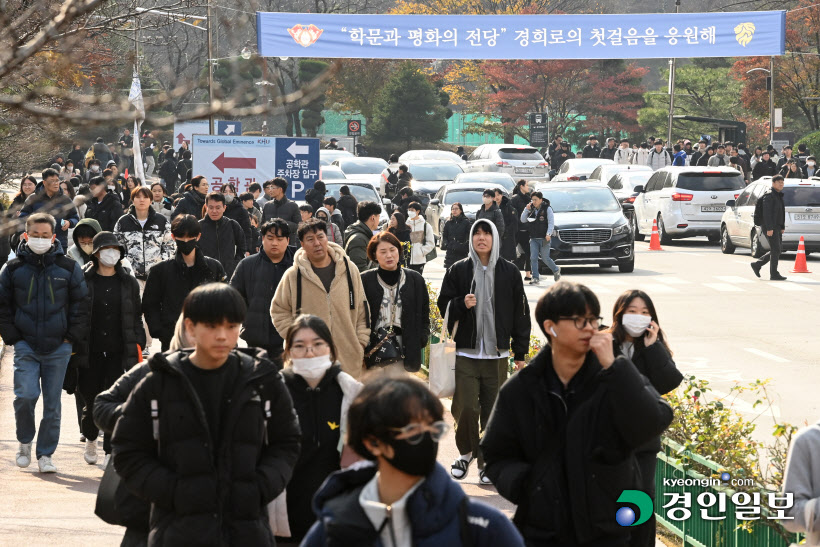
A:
(620, 36)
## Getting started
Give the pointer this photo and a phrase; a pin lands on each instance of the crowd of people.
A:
(222, 444)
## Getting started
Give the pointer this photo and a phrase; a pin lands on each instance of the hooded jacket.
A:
(415, 312)
(494, 215)
(75, 252)
(357, 236)
(107, 212)
(622, 156)
(43, 299)
(802, 478)
(148, 245)
(235, 211)
(286, 210)
(456, 239)
(508, 302)
(564, 459)
(344, 308)
(657, 160)
(196, 498)
(334, 233)
(346, 205)
(426, 240)
(256, 279)
(222, 240)
(608, 153)
(439, 512)
(337, 219)
(59, 206)
(168, 283)
(191, 203)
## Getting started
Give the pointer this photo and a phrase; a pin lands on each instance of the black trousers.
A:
(417, 267)
(644, 535)
(773, 256)
(103, 371)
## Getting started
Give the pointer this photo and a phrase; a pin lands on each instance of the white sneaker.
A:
(45, 465)
(90, 455)
(24, 455)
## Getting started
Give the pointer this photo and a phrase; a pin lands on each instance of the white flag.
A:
(135, 98)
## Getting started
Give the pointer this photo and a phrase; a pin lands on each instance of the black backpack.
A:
(758, 215)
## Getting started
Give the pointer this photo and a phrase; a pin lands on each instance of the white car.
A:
(415, 155)
(429, 176)
(623, 185)
(579, 169)
(468, 194)
(802, 201)
(326, 157)
(687, 201)
(502, 179)
(362, 169)
(606, 171)
(515, 160)
(331, 172)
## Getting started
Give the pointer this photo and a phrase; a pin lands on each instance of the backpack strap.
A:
(299, 291)
(463, 524)
(349, 285)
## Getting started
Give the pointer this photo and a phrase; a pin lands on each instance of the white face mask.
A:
(311, 368)
(109, 257)
(412, 214)
(111, 187)
(228, 198)
(488, 201)
(95, 168)
(635, 324)
(811, 163)
(39, 245)
(87, 248)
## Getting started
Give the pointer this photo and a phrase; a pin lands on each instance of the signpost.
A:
(240, 161)
(184, 131)
(297, 160)
(354, 129)
(539, 129)
(228, 127)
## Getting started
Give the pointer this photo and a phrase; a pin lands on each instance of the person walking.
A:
(399, 308)
(592, 150)
(398, 227)
(658, 157)
(256, 278)
(335, 215)
(520, 199)
(510, 217)
(334, 235)
(49, 199)
(43, 312)
(608, 153)
(403, 497)
(773, 223)
(105, 206)
(456, 236)
(193, 200)
(325, 283)
(802, 480)
(358, 234)
(222, 238)
(637, 335)
(322, 394)
(315, 197)
(565, 429)
(171, 280)
(348, 206)
(235, 210)
(485, 295)
(224, 439)
(764, 168)
(539, 218)
(422, 238)
(489, 209)
(810, 168)
(280, 206)
(160, 202)
(623, 155)
(641, 155)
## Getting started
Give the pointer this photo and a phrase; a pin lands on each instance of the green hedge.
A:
(812, 141)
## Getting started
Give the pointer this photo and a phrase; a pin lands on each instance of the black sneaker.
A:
(778, 277)
(756, 268)
(459, 468)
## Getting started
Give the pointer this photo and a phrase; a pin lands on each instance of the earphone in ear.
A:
(552, 331)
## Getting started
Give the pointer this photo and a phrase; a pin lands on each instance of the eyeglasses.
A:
(319, 348)
(414, 433)
(582, 322)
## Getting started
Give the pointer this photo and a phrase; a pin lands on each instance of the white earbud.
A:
(552, 331)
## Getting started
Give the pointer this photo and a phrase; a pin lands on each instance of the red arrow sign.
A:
(180, 138)
(223, 163)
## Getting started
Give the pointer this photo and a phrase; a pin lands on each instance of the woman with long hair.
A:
(637, 335)
(130, 185)
(399, 228)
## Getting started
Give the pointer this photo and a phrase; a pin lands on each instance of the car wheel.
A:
(726, 245)
(638, 236)
(756, 247)
(441, 231)
(627, 267)
(665, 238)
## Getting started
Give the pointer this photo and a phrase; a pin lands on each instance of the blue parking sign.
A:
(297, 160)
(227, 127)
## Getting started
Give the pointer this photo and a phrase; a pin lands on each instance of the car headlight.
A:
(621, 229)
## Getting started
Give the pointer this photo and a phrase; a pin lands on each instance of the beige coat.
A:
(350, 328)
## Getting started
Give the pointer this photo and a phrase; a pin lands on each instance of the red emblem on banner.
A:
(305, 36)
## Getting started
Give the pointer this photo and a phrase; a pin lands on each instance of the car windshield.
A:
(638, 179)
(332, 174)
(806, 196)
(362, 166)
(435, 172)
(528, 154)
(587, 200)
(471, 196)
(360, 192)
(710, 182)
(434, 155)
(496, 178)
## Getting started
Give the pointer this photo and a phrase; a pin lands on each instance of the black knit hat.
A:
(106, 239)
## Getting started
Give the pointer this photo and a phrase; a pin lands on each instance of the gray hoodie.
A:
(802, 478)
(483, 288)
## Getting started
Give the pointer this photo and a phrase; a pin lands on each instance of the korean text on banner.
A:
(240, 161)
(610, 36)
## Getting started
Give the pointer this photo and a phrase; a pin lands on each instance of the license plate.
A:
(523, 170)
(712, 208)
(586, 249)
(804, 216)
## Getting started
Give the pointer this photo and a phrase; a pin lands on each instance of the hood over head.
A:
(85, 224)
(496, 244)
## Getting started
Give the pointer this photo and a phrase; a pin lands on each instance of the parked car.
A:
(590, 226)
(429, 176)
(606, 171)
(502, 179)
(515, 160)
(362, 169)
(623, 185)
(326, 157)
(362, 191)
(468, 194)
(331, 172)
(802, 200)
(415, 155)
(686, 201)
(579, 168)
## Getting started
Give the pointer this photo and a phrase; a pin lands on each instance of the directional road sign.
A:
(228, 128)
(183, 131)
(236, 160)
(297, 160)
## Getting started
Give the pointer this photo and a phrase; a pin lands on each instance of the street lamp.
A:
(770, 85)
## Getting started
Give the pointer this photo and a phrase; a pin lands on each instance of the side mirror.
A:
(627, 207)
(386, 202)
(434, 202)
(730, 203)
(638, 189)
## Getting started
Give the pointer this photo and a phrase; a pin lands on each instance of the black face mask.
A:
(185, 247)
(417, 460)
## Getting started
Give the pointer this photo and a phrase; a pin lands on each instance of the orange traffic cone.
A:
(800, 265)
(655, 240)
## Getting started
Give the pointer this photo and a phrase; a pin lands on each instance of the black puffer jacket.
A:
(191, 203)
(347, 206)
(494, 215)
(168, 283)
(415, 312)
(286, 210)
(256, 279)
(133, 332)
(522, 236)
(197, 499)
(222, 240)
(235, 211)
(168, 172)
(107, 212)
(456, 239)
(565, 455)
(510, 215)
(315, 199)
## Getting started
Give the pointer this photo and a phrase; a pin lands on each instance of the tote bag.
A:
(443, 361)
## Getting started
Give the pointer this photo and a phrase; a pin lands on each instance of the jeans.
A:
(30, 370)
(540, 247)
(773, 256)
(149, 165)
